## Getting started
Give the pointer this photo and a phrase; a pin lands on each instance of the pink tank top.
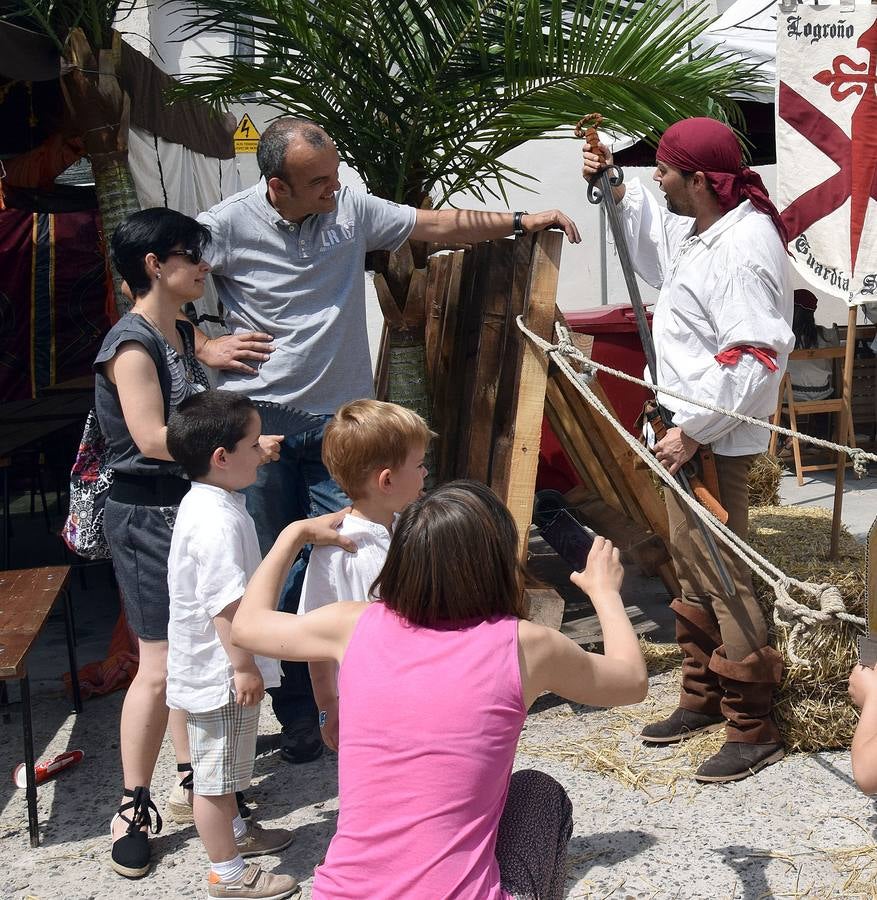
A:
(429, 723)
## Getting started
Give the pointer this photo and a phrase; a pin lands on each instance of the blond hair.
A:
(366, 435)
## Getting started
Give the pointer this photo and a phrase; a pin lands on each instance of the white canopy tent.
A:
(748, 30)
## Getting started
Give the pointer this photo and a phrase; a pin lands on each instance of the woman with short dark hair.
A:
(145, 367)
(435, 682)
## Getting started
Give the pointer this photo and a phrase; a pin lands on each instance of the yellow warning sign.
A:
(246, 136)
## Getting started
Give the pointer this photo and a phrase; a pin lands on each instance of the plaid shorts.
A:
(223, 746)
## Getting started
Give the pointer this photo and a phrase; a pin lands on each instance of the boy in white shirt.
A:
(215, 436)
(374, 451)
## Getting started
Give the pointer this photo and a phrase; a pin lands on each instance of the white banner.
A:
(827, 145)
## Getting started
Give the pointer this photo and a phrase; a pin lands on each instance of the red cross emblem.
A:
(855, 156)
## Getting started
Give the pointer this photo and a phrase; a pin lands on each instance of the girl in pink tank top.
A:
(434, 686)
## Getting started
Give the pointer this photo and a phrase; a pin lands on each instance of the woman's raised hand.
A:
(603, 573)
(323, 530)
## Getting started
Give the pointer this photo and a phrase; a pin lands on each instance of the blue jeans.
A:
(297, 486)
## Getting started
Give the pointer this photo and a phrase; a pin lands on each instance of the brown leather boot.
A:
(697, 633)
(753, 740)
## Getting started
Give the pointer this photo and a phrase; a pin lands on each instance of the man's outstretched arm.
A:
(469, 226)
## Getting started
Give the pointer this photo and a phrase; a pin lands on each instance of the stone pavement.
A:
(643, 828)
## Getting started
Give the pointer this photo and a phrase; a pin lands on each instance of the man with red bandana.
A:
(722, 334)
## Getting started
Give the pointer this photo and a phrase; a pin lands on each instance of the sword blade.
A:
(636, 301)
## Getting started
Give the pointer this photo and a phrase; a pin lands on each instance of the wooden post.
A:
(843, 428)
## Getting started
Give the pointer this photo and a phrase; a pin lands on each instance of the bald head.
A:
(282, 134)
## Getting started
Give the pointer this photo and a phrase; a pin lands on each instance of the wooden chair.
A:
(27, 597)
(788, 405)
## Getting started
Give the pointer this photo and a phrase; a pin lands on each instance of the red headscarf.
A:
(708, 146)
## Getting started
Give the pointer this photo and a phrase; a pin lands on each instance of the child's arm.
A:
(550, 661)
(249, 689)
(863, 690)
(259, 628)
(324, 684)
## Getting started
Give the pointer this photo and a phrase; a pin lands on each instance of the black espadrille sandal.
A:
(130, 852)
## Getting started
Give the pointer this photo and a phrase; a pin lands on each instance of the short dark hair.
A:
(453, 558)
(204, 422)
(275, 140)
(157, 230)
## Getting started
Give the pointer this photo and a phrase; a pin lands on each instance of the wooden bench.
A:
(27, 597)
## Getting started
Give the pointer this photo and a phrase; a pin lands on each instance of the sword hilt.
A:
(596, 191)
(586, 129)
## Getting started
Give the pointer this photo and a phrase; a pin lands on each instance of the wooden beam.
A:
(437, 269)
(488, 365)
(520, 476)
(445, 407)
(509, 379)
(544, 607)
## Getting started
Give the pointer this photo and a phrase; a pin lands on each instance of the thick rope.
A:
(565, 346)
(788, 613)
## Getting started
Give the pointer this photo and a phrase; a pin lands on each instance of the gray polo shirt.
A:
(305, 286)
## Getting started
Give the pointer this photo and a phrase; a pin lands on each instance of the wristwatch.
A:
(517, 222)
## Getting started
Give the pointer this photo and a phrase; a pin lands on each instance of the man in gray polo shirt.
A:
(288, 257)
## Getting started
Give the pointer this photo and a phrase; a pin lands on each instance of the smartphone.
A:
(569, 539)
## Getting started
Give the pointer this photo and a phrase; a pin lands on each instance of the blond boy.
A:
(374, 451)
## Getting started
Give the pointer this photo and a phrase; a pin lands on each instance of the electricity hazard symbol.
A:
(246, 136)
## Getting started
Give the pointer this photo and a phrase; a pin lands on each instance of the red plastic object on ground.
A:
(616, 344)
(48, 768)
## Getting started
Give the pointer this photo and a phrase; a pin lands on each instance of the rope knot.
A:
(564, 341)
(830, 600)
(859, 460)
(566, 347)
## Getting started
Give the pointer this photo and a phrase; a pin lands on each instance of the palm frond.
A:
(55, 18)
(426, 96)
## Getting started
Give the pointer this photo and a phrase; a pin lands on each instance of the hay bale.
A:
(764, 481)
(660, 657)
(811, 707)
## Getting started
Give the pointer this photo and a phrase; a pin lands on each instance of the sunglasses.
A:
(194, 255)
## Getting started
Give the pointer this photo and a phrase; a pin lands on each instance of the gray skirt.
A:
(139, 538)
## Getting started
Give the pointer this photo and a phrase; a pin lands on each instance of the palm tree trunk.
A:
(117, 199)
(401, 290)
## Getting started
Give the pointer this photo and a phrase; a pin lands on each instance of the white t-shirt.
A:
(725, 287)
(214, 552)
(336, 574)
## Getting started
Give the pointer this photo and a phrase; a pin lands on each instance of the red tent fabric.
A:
(54, 300)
